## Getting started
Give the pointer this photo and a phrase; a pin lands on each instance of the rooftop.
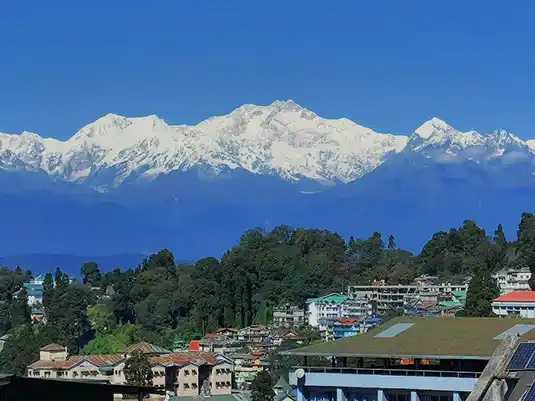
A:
(146, 348)
(52, 347)
(517, 296)
(335, 298)
(426, 337)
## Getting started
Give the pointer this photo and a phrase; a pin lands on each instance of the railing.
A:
(391, 372)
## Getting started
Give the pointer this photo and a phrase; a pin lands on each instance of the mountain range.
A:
(135, 185)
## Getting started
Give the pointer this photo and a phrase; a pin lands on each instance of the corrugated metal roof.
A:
(146, 348)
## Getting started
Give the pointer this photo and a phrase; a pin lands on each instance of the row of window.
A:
(187, 372)
(222, 371)
(222, 385)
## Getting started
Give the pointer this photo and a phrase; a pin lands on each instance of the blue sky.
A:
(389, 65)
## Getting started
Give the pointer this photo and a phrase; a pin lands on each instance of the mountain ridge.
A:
(282, 139)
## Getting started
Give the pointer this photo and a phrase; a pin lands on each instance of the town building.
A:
(425, 359)
(335, 306)
(395, 297)
(288, 316)
(516, 303)
(247, 366)
(186, 373)
(335, 329)
(513, 279)
(35, 289)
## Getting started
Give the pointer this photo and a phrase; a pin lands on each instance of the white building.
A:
(515, 303)
(328, 306)
(513, 280)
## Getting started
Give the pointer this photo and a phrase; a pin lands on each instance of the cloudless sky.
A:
(389, 65)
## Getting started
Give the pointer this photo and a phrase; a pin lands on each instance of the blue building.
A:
(415, 359)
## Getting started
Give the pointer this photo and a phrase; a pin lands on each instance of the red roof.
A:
(193, 346)
(517, 296)
(184, 358)
(347, 320)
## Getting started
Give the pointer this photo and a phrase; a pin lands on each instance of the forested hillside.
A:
(164, 303)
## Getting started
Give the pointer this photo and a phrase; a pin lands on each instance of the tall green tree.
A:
(20, 310)
(391, 243)
(499, 237)
(137, 369)
(48, 290)
(61, 280)
(482, 290)
(91, 274)
(262, 387)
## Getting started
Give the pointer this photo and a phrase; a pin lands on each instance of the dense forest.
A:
(167, 304)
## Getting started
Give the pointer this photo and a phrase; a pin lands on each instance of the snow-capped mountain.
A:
(282, 139)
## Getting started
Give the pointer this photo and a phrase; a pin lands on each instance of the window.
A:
(47, 374)
(194, 372)
(194, 385)
(186, 385)
(186, 372)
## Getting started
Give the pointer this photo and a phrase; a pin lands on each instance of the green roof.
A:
(426, 337)
(449, 304)
(336, 298)
(459, 294)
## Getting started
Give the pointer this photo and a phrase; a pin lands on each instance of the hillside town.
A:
(226, 362)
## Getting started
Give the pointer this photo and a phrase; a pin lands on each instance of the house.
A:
(182, 373)
(288, 316)
(327, 307)
(513, 279)
(516, 303)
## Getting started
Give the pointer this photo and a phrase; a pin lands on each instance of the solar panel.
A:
(530, 396)
(531, 363)
(522, 355)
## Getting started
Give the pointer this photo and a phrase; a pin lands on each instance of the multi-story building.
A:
(183, 373)
(288, 316)
(35, 289)
(516, 303)
(392, 297)
(416, 359)
(336, 306)
(513, 279)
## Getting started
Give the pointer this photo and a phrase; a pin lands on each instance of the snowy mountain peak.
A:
(432, 126)
(282, 139)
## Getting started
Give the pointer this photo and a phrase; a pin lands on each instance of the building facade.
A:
(513, 280)
(183, 373)
(396, 297)
(516, 303)
(288, 317)
(337, 306)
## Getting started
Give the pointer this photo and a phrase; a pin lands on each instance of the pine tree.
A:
(391, 243)
(499, 237)
(48, 290)
(20, 311)
(482, 290)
